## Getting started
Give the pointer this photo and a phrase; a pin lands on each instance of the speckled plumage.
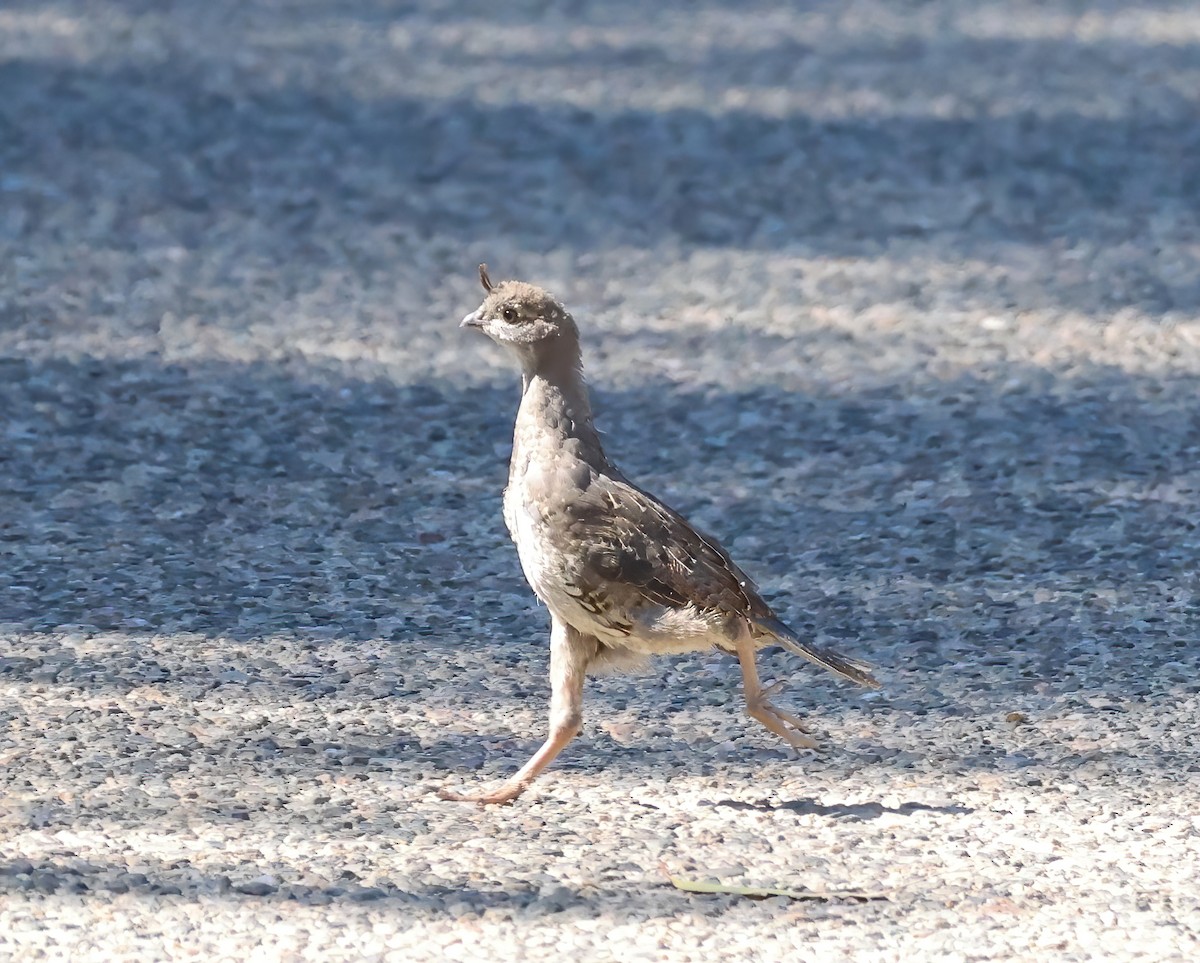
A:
(604, 556)
(623, 575)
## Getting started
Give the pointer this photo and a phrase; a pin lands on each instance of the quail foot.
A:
(623, 575)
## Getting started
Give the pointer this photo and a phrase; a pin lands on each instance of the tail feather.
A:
(846, 667)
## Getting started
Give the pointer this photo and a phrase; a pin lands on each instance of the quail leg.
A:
(570, 653)
(788, 727)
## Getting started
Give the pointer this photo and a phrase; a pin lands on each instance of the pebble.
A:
(261, 886)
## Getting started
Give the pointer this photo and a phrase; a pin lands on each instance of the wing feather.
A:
(627, 536)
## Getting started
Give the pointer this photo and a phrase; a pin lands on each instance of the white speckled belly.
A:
(546, 571)
(660, 631)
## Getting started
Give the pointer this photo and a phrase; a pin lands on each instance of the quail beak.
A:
(472, 320)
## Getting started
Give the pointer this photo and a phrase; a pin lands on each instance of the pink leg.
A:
(570, 653)
(785, 725)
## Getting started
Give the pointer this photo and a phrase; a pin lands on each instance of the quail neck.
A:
(555, 416)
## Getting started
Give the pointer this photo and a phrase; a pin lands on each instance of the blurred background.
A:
(900, 299)
(901, 272)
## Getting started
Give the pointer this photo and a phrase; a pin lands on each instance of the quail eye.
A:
(508, 314)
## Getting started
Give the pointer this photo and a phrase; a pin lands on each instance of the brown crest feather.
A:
(484, 279)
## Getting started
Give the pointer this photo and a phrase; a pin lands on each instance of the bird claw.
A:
(788, 727)
(503, 796)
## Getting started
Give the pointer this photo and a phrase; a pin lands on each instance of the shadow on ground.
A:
(417, 901)
(849, 812)
(194, 153)
(246, 501)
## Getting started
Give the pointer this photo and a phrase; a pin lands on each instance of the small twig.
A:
(765, 892)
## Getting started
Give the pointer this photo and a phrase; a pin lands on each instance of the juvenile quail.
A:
(623, 575)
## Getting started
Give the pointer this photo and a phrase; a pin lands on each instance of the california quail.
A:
(623, 575)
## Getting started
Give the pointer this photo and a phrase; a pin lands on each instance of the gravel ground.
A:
(900, 299)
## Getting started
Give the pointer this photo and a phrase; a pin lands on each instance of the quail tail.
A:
(846, 667)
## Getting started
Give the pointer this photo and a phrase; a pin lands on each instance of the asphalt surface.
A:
(900, 300)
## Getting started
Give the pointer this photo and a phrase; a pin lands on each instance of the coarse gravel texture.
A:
(902, 300)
